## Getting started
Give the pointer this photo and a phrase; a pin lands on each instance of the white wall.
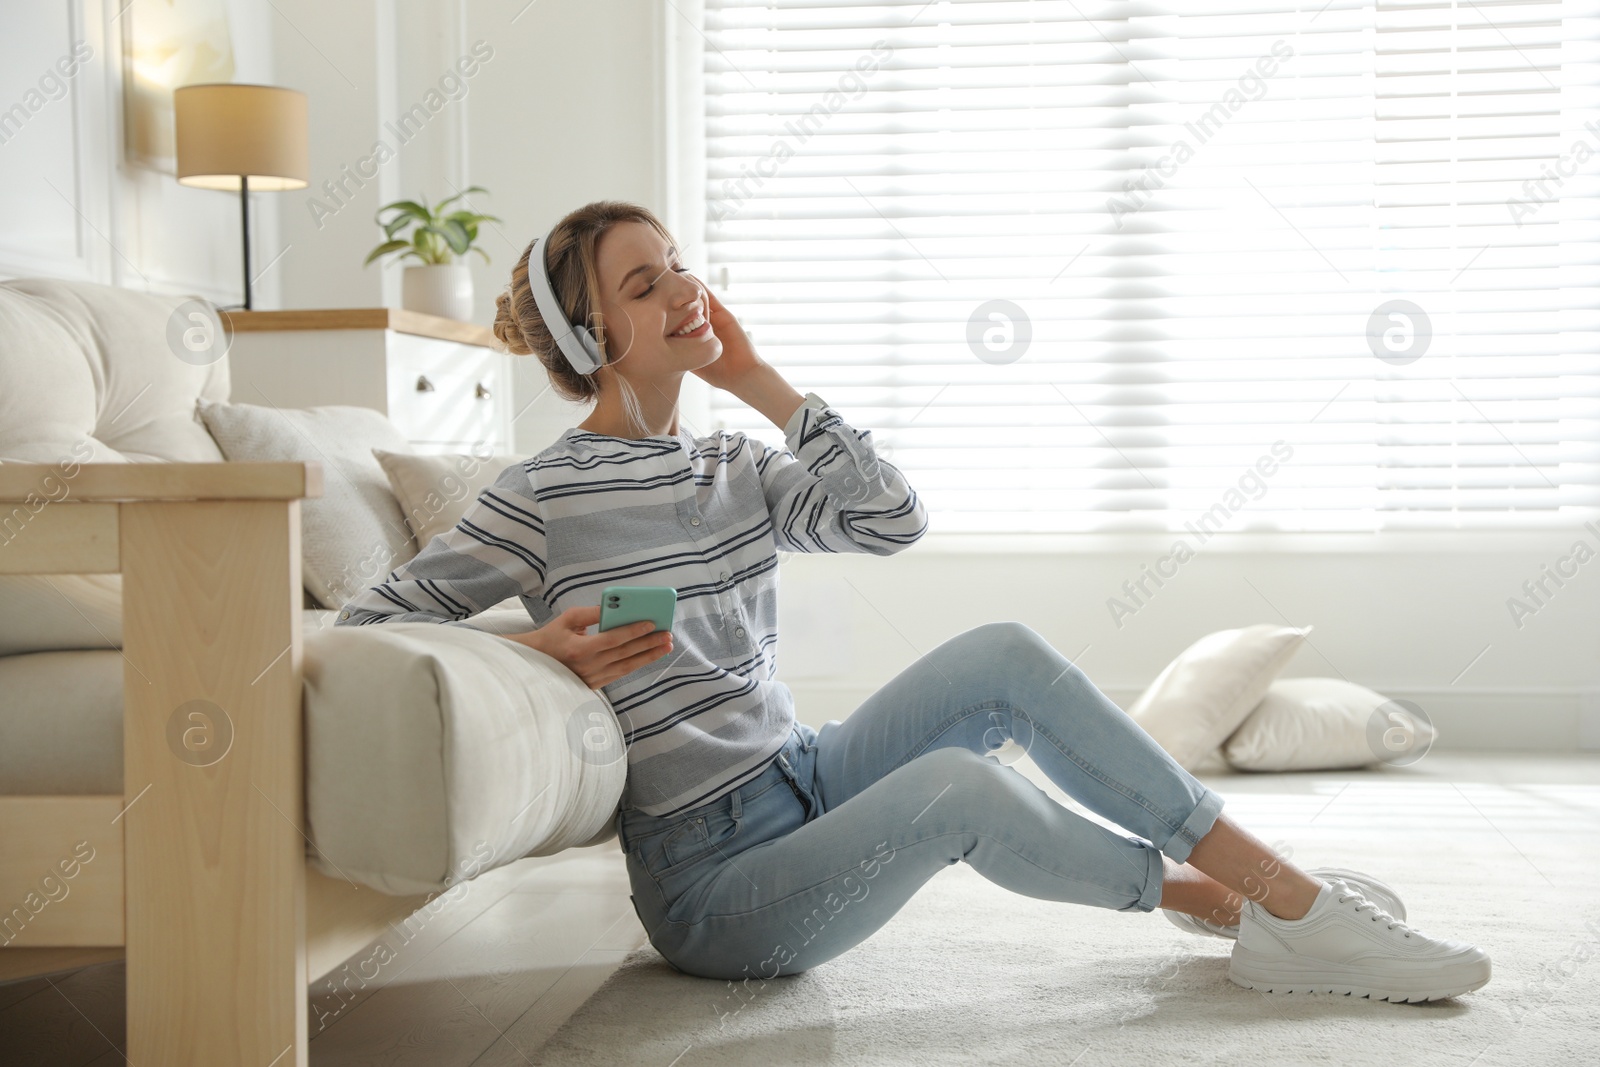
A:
(564, 115)
(73, 207)
(1425, 622)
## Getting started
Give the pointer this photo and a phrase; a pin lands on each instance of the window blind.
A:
(1113, 266)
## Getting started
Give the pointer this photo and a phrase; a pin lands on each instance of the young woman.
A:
(755, 845)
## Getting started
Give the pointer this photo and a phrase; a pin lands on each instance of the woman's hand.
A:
(738, 354)
(599, 658)
(743, 373)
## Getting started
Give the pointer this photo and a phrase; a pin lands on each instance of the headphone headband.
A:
(575, 342)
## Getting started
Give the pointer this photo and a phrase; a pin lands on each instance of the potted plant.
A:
(441, 284)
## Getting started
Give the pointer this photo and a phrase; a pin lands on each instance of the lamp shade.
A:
(225, 130)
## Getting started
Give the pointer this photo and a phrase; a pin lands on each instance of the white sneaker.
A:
(1378, 892)
(1348, 944)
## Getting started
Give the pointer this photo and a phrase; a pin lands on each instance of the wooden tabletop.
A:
(397, 319)
(91, 482)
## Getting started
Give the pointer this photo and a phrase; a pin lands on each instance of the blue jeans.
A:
(806, 861)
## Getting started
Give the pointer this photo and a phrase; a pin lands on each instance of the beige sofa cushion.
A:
(88, 375)
(46, 612)
(435, 751)
(61, 724)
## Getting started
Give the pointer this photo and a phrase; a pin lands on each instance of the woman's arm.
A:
(764, 389)
(495, 552)
(829, 491)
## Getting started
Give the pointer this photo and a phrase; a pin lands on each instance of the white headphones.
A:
(576, 342)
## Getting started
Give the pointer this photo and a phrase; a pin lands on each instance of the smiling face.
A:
(646, 295)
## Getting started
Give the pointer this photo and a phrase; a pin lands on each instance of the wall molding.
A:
(1539, 719)
(88, 192)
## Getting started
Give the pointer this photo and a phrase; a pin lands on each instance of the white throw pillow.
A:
(354, 534)
(1203, 695)
(1308, 724)
(435, 491)
(1213, 762)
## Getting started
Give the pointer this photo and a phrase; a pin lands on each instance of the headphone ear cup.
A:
(591, 348)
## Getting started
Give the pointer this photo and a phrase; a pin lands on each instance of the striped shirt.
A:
(705, 516)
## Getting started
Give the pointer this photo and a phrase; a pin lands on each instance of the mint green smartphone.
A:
(622, 604)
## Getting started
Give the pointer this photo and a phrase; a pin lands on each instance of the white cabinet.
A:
(441, 382)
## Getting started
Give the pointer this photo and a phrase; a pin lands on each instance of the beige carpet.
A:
(970, 973)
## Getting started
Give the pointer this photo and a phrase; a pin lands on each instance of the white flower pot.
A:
(443, 289)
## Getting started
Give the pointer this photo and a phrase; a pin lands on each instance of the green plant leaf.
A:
(422, 244)
(405, 207)
(434, 251)
(465, 217)
(385, 248)
(454, 234)
(450, 200)
(438, 238)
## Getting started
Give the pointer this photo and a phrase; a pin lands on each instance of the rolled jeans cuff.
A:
(1154, 879)
(1196, 826)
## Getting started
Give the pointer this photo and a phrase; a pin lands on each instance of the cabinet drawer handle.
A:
(482, 392)
(423, 385)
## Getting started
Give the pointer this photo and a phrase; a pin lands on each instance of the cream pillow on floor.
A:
(435, 491)
(1308, 724)
(1213, 762)
(1203, 695)
(353, 535)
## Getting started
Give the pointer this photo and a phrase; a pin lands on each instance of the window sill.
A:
(1396, 542)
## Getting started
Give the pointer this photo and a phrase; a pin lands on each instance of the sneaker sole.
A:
(1254, 971)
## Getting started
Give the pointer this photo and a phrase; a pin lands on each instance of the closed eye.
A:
(652, 285)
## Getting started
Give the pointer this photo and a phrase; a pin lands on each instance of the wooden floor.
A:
(482, 981)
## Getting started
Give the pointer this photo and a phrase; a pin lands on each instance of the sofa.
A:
(199, 772)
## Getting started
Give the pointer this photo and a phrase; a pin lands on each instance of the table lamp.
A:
(243, 137)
